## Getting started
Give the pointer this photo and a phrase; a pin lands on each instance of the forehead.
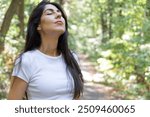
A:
(50, 6)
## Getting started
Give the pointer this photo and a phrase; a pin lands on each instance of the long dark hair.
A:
(33, 41)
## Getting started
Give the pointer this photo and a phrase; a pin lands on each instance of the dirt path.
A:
(93, 91)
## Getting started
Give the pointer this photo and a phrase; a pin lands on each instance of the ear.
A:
(39, 27)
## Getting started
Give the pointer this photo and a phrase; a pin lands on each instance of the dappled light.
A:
(110, 37)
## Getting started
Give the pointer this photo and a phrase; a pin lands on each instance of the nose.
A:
(58, 15)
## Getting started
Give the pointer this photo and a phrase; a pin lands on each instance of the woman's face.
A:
(51, 20)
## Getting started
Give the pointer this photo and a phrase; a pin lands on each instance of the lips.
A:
(59, 22)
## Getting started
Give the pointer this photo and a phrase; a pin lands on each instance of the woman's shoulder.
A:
(26, 57)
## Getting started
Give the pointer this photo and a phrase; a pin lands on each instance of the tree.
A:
(16, 7)
(146, 26)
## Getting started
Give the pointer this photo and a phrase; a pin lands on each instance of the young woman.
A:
(47, 69)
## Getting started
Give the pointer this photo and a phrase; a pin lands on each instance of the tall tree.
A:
(110, 12)
(146, 26)
(16, 7)
(20, 13)
(62, 2)
(148, 9)
(104, 26)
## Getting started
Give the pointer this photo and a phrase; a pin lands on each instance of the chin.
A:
(61, 31)
(56, 31)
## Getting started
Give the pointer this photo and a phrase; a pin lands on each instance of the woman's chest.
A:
(51, 79)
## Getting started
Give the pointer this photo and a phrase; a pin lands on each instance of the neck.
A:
(49, 45)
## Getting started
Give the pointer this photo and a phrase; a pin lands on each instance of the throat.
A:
(50, 52)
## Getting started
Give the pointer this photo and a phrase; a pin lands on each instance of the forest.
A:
(113, 33)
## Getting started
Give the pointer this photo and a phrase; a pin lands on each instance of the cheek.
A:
(46, 24)
(64, 24)
(64, 20)
(46, 21)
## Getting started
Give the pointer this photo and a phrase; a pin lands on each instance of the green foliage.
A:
(114, 33)
(130, 63)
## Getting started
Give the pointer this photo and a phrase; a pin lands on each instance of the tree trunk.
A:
(120, 16)
(20, 13)
(148, 9)
(8, 16)
(62, 2)
(104, 27)
(146, 34)
(110, 10)
(7, 21)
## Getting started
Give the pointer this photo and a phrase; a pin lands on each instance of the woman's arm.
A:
(17, 89)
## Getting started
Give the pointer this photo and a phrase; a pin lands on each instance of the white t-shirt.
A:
(47, 76)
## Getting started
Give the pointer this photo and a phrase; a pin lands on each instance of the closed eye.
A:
(49, 13)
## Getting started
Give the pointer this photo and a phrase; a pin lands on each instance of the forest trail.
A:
(93, 90)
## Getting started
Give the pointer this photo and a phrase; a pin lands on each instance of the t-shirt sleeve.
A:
(22, 69)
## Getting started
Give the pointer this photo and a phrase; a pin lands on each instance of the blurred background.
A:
(111, 37)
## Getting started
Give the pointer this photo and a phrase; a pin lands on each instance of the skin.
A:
(51, 26)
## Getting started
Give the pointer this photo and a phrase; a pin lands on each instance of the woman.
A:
(46, 69)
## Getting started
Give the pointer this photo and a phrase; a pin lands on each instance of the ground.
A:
(93, 89)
